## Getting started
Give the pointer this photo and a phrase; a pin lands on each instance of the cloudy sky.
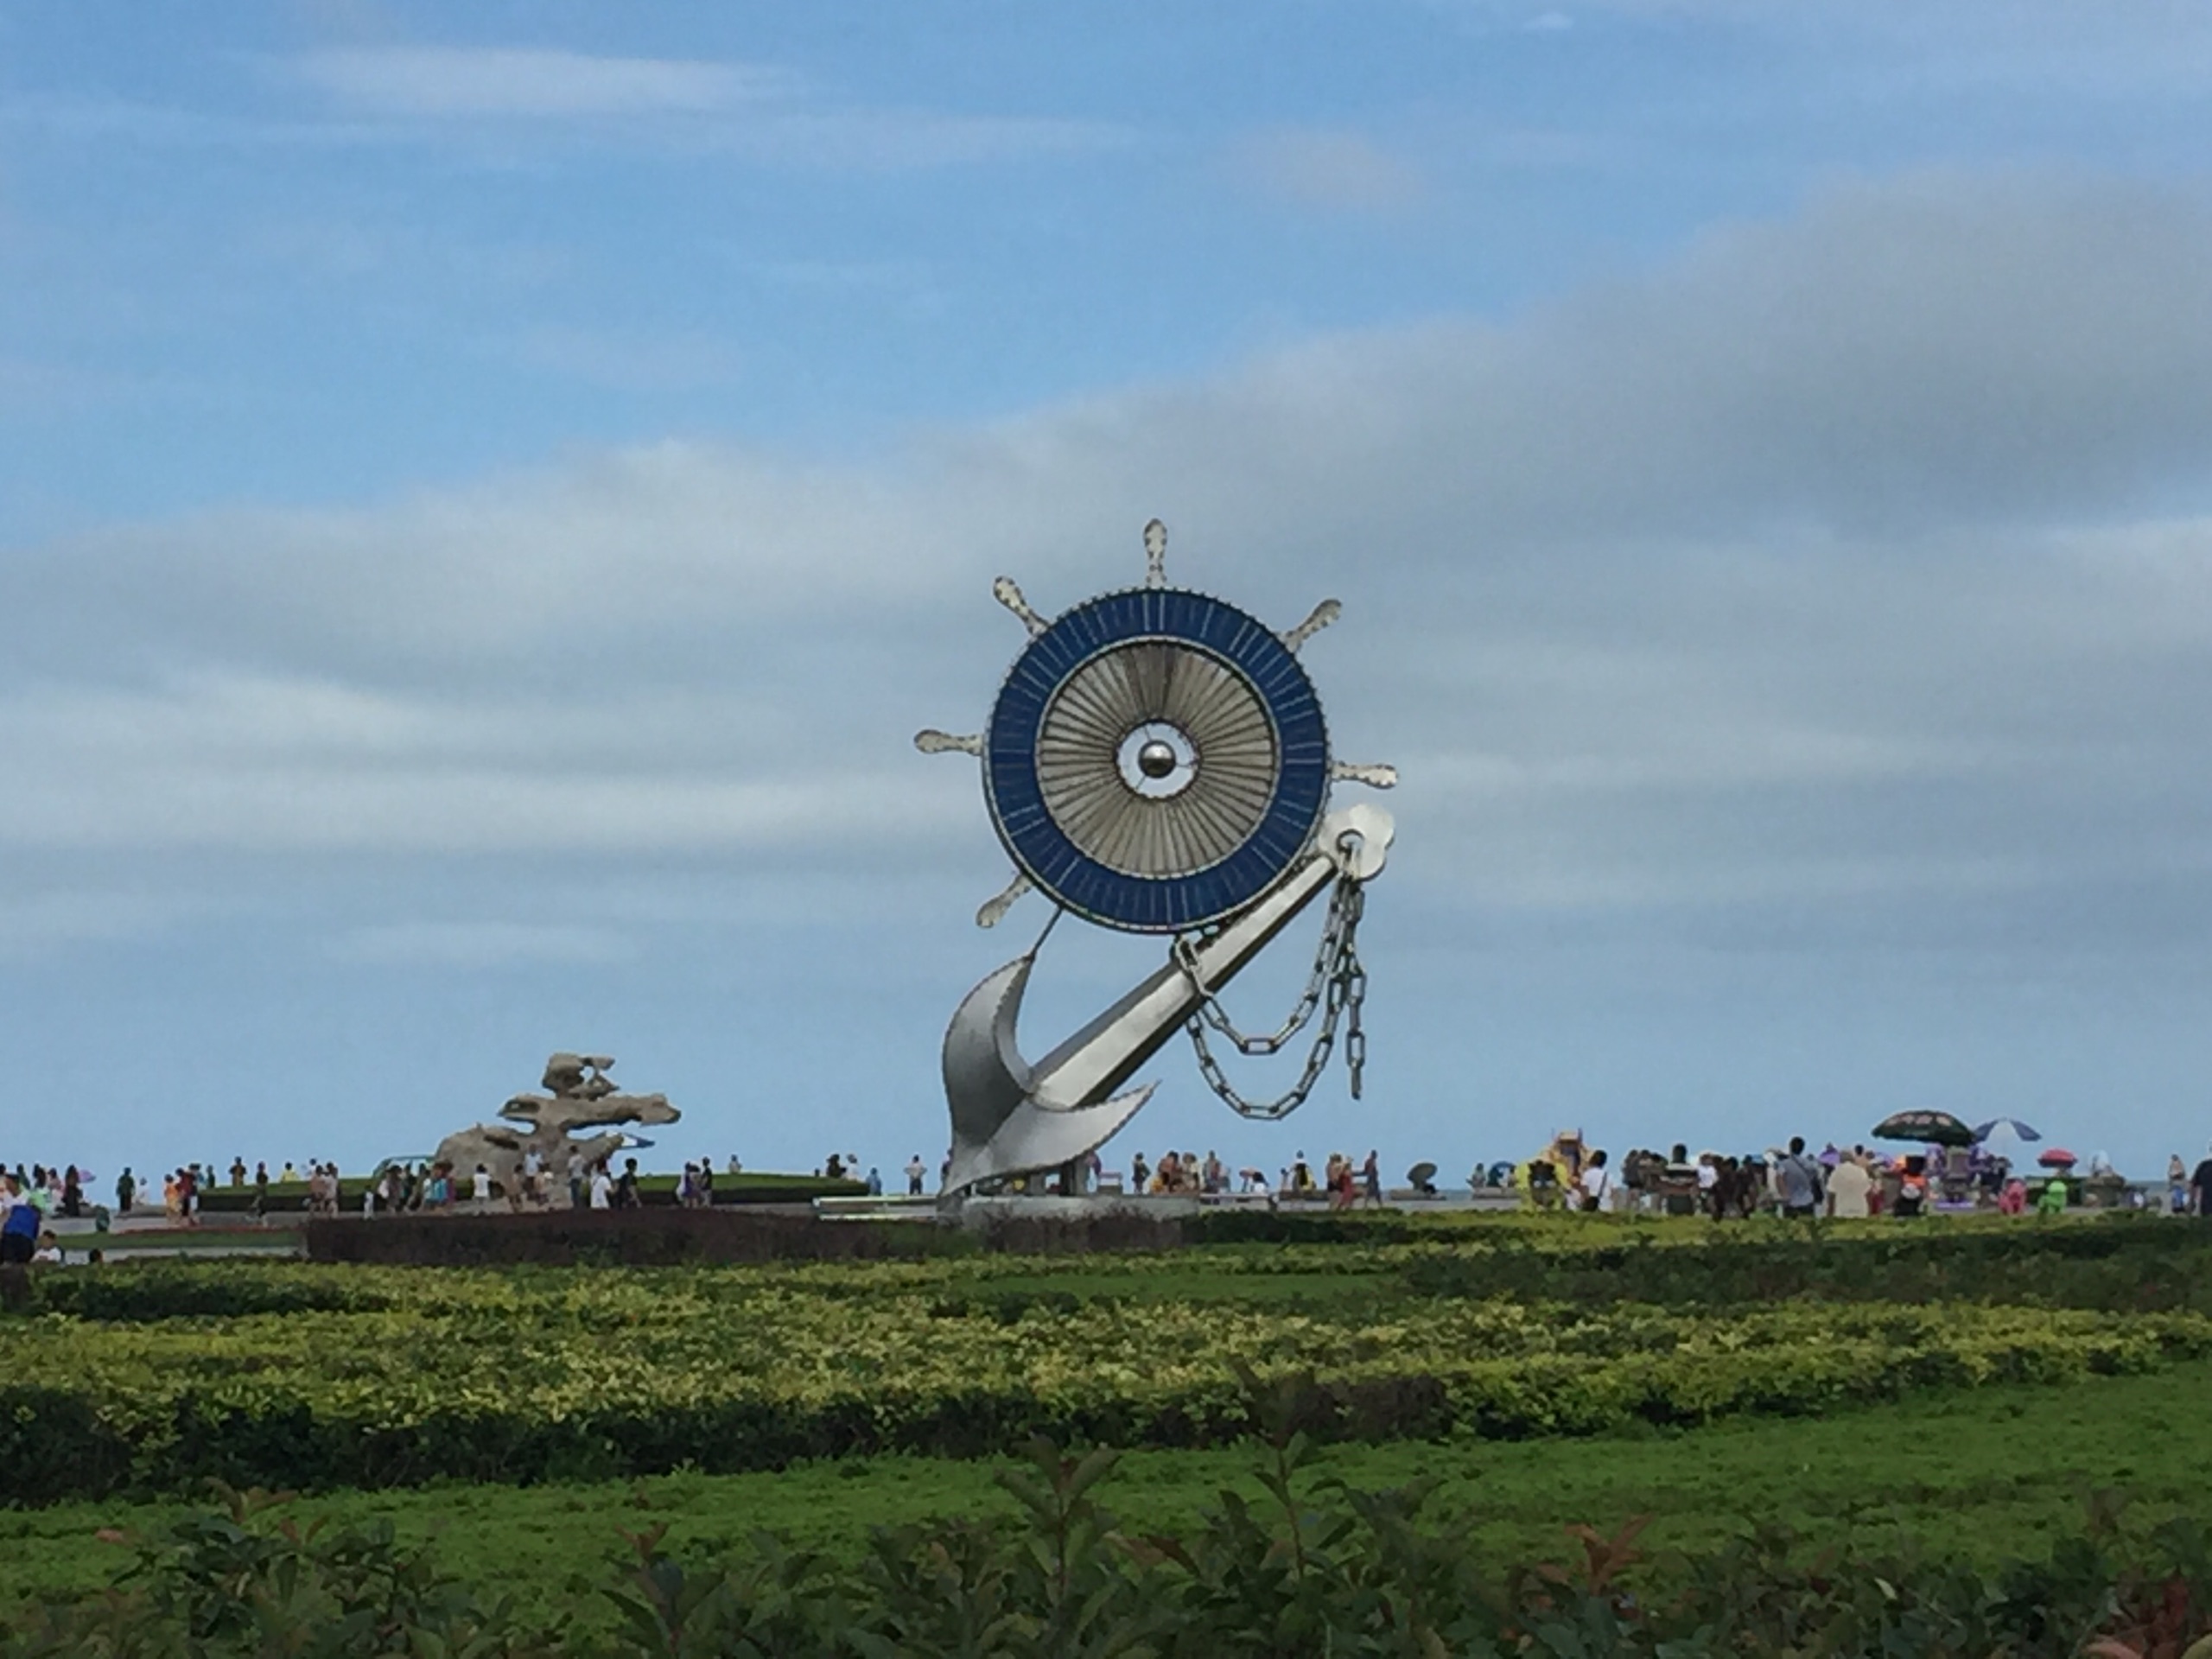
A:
(488, 493)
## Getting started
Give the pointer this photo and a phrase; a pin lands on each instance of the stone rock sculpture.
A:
(582, 1096)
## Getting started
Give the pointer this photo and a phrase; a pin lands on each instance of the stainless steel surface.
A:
(1373, 777)
(994, 910)
(1009, 1117)
(1009, 595)
(1164, 691)
(1324, 614)
(930, 740)
(1337, 986)
(1158, 759)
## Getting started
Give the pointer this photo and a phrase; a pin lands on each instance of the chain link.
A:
(1343, 915)
(1336, 988)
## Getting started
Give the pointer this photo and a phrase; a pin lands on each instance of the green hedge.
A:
(2111, 1263)
(155, 1378)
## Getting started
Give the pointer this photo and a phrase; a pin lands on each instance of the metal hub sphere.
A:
(1156, 759)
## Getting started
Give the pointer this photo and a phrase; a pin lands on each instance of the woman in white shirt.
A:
(1597, 1183)
(1848, 1183)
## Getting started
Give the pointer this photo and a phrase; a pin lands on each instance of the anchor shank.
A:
(1103, 1056)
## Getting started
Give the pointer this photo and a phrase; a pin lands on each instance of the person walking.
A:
(126, 1189)
(2201, 1185)
(1797, 1181)
(1371, 1178)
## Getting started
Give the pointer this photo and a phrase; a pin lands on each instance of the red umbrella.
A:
(2057, 1157)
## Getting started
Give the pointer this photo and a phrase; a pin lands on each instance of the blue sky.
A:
(487, 492)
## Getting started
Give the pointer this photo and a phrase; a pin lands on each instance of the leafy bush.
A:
(284, 1375)
(2108, 1263)
(1313, 1568)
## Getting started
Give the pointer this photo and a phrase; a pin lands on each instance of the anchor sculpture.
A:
(1156, 762)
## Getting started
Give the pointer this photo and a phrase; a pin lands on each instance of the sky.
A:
(489, 491)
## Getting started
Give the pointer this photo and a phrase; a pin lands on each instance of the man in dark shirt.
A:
(2200, 1184)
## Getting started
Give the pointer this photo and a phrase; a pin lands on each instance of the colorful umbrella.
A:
(1928, 1128)
(2059, 1157)
(1984, 1131)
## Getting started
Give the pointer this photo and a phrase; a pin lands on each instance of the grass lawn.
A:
(1991, 1473)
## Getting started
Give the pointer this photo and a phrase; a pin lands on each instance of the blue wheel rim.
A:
(1115, 898)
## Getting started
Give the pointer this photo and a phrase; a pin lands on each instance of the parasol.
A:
(1982, 1132)
(2059, 1157)
(1928, 1128)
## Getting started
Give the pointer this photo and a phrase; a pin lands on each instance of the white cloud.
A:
(679, 362)
(1855, 559)
(231, 763)
(480, 945)
(35, 923)
(1338, 171)
(508, 81)
(500, 103)
(760, 112)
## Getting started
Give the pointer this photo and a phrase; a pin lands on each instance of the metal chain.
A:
(1344, 914)
(1337, 987)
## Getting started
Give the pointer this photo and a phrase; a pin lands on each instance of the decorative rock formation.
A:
(582, 1098)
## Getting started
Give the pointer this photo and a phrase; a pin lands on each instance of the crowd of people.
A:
(1567, 1175)
(1836, 1181)
(1342, 1182)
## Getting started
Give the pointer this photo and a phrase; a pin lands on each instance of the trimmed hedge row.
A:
(613, 1386)
(2147, 1264)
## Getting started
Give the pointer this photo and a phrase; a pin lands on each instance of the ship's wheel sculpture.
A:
(1156, 762)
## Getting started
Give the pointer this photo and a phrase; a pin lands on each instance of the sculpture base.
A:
(998, 1209)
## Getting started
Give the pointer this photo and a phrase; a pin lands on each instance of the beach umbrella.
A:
(1982, 1132)
(1422, 1174)
(1929, 1128)
(2059, 1157)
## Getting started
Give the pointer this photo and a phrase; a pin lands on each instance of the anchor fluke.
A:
(1011, 1118)
(998, 1127)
